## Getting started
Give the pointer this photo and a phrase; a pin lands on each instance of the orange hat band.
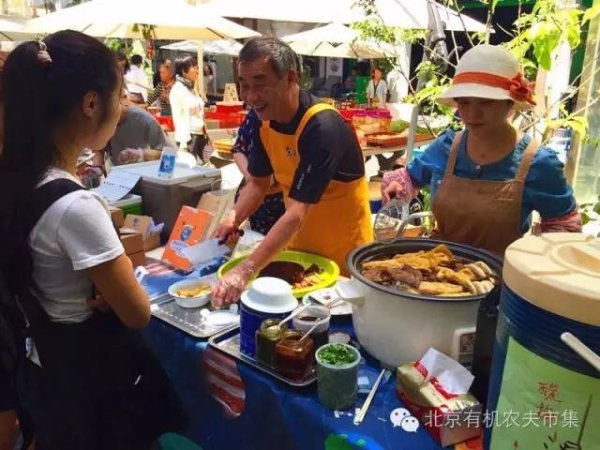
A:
(519, 88)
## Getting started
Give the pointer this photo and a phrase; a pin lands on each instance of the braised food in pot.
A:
(294, 273)
(437, 272)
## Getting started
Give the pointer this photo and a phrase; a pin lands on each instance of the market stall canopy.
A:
(337, 41)
(174, 19)
(223, 47)
(397, 13)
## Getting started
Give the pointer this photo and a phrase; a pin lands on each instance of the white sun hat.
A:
(490, 72)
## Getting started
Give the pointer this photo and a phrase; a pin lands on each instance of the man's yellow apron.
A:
(341, 220)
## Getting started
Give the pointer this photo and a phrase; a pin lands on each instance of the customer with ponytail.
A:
(89, 381)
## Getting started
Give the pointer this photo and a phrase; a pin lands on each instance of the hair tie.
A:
(43, 55)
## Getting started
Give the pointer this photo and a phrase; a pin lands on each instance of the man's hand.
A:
(227, 231)
(131, 155)
(231, 285)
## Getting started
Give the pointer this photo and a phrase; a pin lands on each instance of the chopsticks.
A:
(292, 315)
(363, 411)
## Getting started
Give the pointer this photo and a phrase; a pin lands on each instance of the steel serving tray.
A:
(228, 342)
(188, 320)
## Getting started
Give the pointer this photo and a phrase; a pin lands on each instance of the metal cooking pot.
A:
(397, 327)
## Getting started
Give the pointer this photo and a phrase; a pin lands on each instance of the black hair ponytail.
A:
(42, 83)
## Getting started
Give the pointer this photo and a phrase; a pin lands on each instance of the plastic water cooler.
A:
(542, 393)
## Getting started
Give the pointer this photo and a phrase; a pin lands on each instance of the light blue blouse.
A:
(546, 190)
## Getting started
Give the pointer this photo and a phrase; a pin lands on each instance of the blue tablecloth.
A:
(254, 411)
(234, 406)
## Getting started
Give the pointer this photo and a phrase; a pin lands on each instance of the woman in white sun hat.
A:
(486, 180)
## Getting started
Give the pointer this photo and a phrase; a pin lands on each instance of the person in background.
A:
(209, 78)
(487, 180)
(138, 138)
(160, 94)
(273, 206)
(314, 155)
(187, 108)
(88, 374)
(350, 81)
(137, 81)
(122, 62)
(377, 88)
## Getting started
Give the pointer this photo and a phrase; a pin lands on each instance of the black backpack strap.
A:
(42, 198)
(46, 195)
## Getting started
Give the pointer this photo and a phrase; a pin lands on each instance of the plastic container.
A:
(337, 385)
(164, 197)
(551, 286)
(250, 321)
(308, 318)
(267, 298)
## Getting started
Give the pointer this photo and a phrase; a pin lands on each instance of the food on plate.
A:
(294, 273)
(436, 272)
(193, 291)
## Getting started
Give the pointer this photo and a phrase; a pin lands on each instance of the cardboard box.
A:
(218, 206)
(138, 258)
(189, 229)
(132, 241)
(117, 216)
(151, 242)
(143, 225)
(449, 418)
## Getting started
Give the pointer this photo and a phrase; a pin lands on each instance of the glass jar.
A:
(267, 337)
(295, 360)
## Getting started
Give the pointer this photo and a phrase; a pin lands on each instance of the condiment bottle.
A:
(295, 358)
(267, 337)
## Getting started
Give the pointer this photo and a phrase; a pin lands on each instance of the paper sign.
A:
(545, 406)
(117, 185)
(166, 167)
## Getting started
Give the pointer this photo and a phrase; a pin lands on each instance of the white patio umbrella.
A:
(174, 19)
(397, 13)
(223, 47)
(338, 41)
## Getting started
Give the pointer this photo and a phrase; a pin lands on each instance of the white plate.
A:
(190, 302)
(222, 318)
(325, 297)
